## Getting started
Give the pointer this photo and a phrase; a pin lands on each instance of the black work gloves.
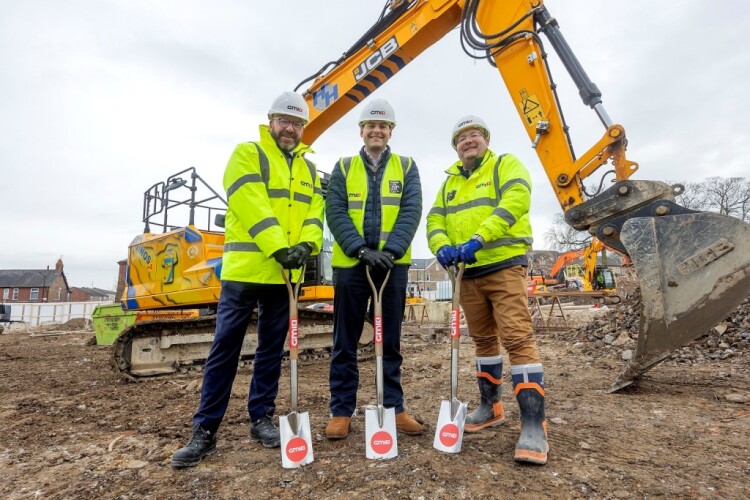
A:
(376, 258)
(299, 254)
(282, 256)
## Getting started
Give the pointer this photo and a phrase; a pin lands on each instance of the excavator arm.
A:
(693, 267)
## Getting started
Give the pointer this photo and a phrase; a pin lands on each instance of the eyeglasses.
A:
(472, 135)
(285, 123)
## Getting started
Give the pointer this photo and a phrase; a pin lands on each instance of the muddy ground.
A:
(71, 428)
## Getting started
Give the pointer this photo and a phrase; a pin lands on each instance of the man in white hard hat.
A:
(373, 208)
(274, 220)
(481, 219)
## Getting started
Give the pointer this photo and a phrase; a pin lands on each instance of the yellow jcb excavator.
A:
(693, 267)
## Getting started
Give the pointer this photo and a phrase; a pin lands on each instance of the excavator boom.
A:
(693, 267)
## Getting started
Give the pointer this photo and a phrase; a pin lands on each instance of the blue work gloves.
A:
(298, 254)
(447, 255)
(466, 252)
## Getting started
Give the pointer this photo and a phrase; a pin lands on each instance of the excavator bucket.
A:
(693, 269)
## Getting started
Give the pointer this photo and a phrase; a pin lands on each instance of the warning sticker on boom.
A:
(532, 111)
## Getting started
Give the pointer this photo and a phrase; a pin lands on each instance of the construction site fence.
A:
(37, 314)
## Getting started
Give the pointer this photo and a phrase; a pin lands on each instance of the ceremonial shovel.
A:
(449, 432)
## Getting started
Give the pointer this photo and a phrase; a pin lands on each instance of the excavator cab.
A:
(604, 279)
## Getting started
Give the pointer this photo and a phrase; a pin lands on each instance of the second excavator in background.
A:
(693, 267)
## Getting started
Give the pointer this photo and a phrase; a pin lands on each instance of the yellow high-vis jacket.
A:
(493, 202)
(271, 206)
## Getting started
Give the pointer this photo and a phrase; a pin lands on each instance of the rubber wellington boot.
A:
(490, 380)
(528, 385)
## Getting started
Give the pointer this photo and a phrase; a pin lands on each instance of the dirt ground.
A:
(71, 428)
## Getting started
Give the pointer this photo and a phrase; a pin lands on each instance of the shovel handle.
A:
(293, 310)
(293, 331)
(377, 299)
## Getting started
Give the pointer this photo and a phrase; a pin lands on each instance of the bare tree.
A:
(727, 196)
(562, 237)
(694, 197)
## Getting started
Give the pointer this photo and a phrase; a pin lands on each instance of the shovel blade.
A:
(449, 432)
(380, 440)
(296, 440)
(693, 269)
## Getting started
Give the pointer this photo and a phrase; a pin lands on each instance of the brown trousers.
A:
(497, 313)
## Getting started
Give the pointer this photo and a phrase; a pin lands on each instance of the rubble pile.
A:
(615, 334)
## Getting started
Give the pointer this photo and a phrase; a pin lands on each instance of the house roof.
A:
(27, 278)
(421, 263)
(95, 292)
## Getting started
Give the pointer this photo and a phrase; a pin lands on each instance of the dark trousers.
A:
(236, 305)
(351, 294)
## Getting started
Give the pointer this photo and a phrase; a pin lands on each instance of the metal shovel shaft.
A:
(293, 341)
(455, 335)
(377, 298)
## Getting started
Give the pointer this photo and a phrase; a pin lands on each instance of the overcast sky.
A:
(101, 99)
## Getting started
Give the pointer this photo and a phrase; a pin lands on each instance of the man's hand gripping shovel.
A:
(380, 422)
(449, 432)
(296, 442)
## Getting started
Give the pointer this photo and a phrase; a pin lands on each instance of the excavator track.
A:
(169, 346)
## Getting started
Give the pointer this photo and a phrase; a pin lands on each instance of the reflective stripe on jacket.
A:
(492, 203)
(391, 190)
(271, 206)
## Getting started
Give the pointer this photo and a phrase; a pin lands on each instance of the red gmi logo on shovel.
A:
(449, 434)
(381, 442)
(296, 449)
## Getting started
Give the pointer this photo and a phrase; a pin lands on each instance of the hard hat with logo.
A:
(292, 104)
(377, 110)
(467, 122)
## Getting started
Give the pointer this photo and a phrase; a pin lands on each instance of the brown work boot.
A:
(407, 425)
(338, 427)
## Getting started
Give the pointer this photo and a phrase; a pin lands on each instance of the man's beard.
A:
(285, 148)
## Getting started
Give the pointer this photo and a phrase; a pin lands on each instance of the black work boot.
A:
(202, 444)
(263, 431)
(490, 411)
(528, 384)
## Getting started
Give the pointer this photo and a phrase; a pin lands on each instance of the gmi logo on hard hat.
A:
(294, 108)
(377, 112)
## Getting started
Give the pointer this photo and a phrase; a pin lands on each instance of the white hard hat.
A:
(377, 110)
(466, 122)
(292, 104)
